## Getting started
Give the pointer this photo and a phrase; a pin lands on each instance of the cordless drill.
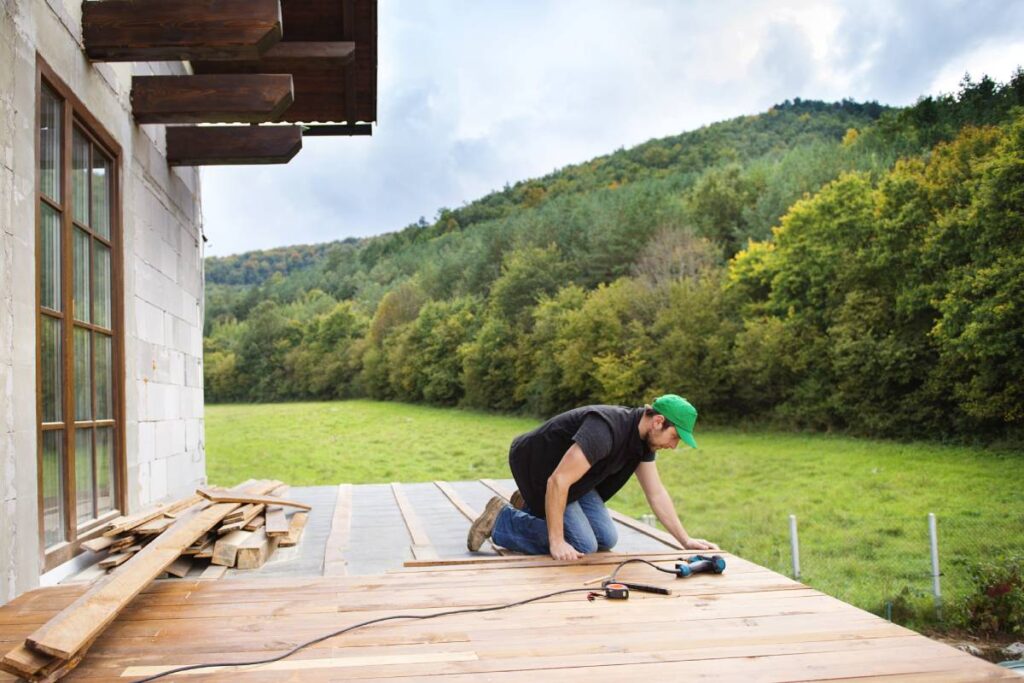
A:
(700, 563)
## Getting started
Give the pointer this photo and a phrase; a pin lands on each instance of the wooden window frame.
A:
(76, 115)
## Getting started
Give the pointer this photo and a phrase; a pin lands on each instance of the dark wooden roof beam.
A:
(232, 145)
(284, 58)
(171, 30)
(231, 98)
(350, 129)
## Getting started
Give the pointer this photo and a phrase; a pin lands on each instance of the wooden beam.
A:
(285, 57)
(277, 524)
(256, 549)
(236, 497)
(298, 523)
(456, 500)
(172, 30)
(225, 145)
(335, 563)
(220, 98)
(421, 547)
(351, 129)
(225, 551)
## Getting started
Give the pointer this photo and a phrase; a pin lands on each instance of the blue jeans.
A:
(588, 528)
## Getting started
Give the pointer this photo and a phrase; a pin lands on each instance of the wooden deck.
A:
(748, 624)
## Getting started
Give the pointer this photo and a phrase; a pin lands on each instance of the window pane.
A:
(104, 378)
(101, 284)
(81, 275)
(53, 487)
(83, 474)
(49, 266)
(100, 194)
(50, 117)
(105, 469)
(80, 177)
(83, 382)
(51, 363)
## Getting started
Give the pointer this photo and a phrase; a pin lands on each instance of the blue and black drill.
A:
(700, 563)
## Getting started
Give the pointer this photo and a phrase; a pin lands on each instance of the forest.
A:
(828, 266)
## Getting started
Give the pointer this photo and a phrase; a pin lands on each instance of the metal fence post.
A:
(936, 588)
(795, 544)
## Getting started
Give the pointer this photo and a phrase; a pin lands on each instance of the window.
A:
(79, 331)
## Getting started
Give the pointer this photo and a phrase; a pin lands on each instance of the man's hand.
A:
(699, 544)
(561, 550)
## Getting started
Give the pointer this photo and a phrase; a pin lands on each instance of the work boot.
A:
(482, 527)
(517, 501)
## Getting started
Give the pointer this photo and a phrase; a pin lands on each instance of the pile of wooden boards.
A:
(244, 539)
(213, 524)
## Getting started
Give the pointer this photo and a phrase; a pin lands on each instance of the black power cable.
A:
(611, 577)
(367, 623)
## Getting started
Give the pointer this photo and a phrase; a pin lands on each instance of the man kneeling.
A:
(569, 466)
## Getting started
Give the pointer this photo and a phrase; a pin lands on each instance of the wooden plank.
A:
(180, 567)
(501, 490)
(235, 497)
(227, 145)
(324, 663)
(460, 505)
(78, 624)
(115, 560)
(276, 522)
(153, 526)
(298, 523)
(335, 563)
(97, 544)
(248, 513)
(255, 523)
(213, 572)
(162, 30)
(256, 550)
(215, 98)
(206, 552)
(225, 550)
(123, 542)
(421, 547)
(123, 524)
(174, 509)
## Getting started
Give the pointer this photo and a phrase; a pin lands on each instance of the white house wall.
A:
(162, 273)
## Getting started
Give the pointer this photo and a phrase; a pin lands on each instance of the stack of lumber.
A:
(245, 538)
(147, 545)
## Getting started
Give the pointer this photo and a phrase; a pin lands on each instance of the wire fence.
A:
(915, 572)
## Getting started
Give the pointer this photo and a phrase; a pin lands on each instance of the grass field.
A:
(861, 504)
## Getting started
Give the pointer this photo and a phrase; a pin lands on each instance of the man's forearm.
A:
(554, 510)
(665, 510)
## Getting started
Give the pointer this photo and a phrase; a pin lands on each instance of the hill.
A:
(683, 263)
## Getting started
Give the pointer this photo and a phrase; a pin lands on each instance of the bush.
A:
(996, 603)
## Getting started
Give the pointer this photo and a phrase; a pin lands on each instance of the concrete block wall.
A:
(162, 272)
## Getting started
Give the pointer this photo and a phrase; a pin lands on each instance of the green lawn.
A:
(861, 504)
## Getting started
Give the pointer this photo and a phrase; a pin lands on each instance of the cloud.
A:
(476, 94)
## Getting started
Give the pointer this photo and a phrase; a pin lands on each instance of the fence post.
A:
(795, 544)
(936, 588)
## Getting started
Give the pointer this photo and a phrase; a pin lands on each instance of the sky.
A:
(473, 94)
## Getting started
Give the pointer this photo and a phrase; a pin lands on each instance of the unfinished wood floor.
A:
(372, 528)
(749, 624)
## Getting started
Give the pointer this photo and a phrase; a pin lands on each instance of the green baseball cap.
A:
(680, 413)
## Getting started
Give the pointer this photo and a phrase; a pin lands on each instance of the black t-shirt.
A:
(608, 437)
